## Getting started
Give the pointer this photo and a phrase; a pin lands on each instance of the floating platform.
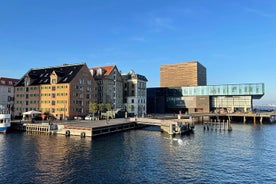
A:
(95, 131)
(76, 128)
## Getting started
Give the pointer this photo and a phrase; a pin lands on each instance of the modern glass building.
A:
(228, 97)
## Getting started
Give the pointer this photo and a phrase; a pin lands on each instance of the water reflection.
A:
(142, 156)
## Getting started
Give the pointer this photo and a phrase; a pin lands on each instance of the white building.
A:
(135, 93)
(7, 94)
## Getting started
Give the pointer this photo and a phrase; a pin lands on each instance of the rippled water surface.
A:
(245, 155)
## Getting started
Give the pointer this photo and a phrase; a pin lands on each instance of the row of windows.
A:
(27, 102)
(79, 102)
(241, 101)
(142, 101)
(49, 87)
(228, 89)
(42, 94)
(26, 109)
(27, 89)
(58, 102)
(132, 108)
(54, 87)
(42, 102)
(4, 82)
(141, 85)
(81, 88)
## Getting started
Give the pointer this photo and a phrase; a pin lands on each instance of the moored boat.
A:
(5, 122)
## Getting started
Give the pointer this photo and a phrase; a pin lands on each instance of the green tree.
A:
(127, 107)
(93, 108)
(108, 107)
(101, 107)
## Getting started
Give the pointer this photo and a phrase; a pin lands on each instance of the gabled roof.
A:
(4, 81)
(106, 70)
(38, 76)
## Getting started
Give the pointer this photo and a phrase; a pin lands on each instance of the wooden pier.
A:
(234, 117)
(217, 125)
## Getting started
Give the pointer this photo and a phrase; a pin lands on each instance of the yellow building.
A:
(61, 91)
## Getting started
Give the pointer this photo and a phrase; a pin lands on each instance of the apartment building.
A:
(135, 93)
(7, 94)
(61, 91)
(110, 85)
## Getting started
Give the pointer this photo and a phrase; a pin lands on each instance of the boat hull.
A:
(3, 130)
(5, 122)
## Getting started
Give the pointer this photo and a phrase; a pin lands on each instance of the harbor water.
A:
(245, 155)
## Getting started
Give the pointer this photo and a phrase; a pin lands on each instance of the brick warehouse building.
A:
(62, 91)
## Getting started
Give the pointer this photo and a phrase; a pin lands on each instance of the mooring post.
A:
(261, 120)
(229, 126)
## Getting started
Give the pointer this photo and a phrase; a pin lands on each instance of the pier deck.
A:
(169, 124)
(83, 128)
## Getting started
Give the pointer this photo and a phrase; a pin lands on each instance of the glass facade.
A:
(256, 90)
(232, 97)
(232, 103)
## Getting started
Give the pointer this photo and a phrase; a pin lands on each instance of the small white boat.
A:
(5, 122)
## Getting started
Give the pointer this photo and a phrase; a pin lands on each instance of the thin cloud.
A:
(159, 24)
(138, 39)
(257, 12)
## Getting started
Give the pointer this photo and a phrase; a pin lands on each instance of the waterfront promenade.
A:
(92, 128)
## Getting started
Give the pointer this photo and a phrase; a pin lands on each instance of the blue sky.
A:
(234, 39)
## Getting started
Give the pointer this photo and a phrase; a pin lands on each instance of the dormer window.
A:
(54, 81)
(100, 72)
(53, 77)
(27, 81)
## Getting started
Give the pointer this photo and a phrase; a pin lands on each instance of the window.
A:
(54, 81)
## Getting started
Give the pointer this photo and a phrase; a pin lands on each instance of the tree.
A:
(127, 107)
(108, 106)
(101, 107)
(93, 108)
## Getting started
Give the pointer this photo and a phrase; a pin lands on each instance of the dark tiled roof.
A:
(142, 77)
(65, 73)
(132, 74)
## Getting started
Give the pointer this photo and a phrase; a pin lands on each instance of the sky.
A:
(234, 39)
